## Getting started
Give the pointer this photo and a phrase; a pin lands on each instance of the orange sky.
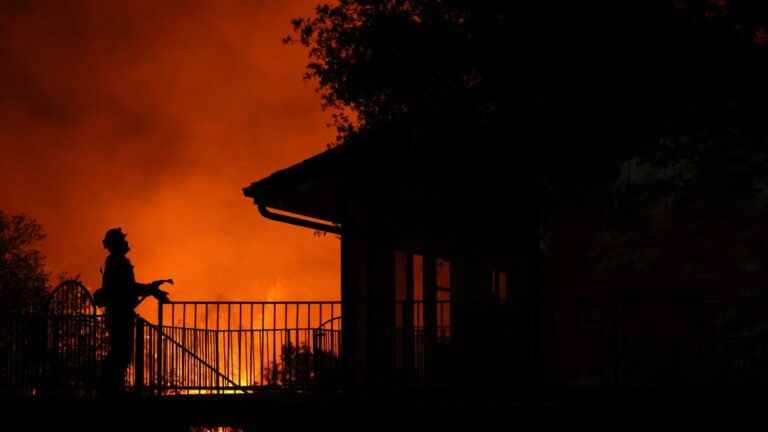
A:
(152, 116)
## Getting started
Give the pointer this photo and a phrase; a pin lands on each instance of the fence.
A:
(222, 347)
(55, 350)
(194, 348)
(242, 347)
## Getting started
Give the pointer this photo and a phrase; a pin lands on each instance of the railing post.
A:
(159, 374)
(93, 355)
(138, 365)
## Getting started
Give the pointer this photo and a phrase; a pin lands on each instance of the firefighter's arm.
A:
(153, 289)
(141, 289)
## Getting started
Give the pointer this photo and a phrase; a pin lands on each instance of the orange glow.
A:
(152, 117)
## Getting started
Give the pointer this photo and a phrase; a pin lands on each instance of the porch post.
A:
(430, 315)
(352, 308)
(380, 287)
(408, 327)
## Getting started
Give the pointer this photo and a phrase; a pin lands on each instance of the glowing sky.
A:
(152, 116)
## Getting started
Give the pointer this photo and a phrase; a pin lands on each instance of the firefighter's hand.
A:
(156, 284)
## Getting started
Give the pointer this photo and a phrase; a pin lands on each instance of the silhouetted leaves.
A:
(23, 280)
(301, 367)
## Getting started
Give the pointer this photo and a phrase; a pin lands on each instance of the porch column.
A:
(380, 310)
(353, 259)
(430, 315)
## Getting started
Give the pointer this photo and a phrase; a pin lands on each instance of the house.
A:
(433, 260)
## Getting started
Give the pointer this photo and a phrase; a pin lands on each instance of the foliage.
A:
(23, 280)
(302, 367)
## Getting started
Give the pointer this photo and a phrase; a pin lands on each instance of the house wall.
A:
(354, 276)
(376, 347)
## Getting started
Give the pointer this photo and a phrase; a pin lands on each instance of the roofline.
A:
(293, 220)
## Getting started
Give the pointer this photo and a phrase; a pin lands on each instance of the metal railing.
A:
(410, 338)
(242, 347)
(222, 347)
(55, 348)
(187, 373)
(51, 355)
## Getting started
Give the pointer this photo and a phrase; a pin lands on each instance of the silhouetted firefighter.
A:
(120, 294)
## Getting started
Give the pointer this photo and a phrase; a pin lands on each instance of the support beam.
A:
(430, 315)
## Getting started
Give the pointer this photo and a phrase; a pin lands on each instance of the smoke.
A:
(152, 116)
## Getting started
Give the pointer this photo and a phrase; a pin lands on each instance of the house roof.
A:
(309, 188)
(383, 179)
(410, 196)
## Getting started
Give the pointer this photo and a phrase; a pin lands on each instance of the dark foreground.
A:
(252, 412)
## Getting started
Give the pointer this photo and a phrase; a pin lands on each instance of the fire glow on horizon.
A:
(152, 116)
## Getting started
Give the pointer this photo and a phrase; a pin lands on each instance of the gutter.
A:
(293, 220)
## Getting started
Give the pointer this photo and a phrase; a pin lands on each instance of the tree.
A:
(23, 279)
(589, 86)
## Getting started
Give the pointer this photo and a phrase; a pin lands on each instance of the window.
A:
(500, 286)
